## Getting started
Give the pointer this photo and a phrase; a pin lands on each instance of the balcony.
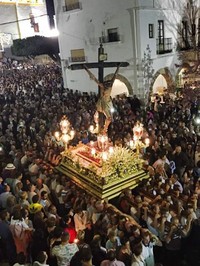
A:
(77, 59)
(164, 46)
(109, 38)
(72, 7)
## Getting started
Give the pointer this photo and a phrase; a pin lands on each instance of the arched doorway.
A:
(160, 84)
(120, 86)
(163, 80)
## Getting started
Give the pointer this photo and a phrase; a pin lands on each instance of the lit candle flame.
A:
(131, 143)
(93, 151)
(104, 155)
(147, 141)
(57, 135)
(92, 143)
(111, 150)
(91, 128)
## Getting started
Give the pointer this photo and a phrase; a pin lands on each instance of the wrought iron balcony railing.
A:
(110, 38)
(164, 46)
(77, 59)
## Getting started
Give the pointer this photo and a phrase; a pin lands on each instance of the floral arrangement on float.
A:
(118, 163)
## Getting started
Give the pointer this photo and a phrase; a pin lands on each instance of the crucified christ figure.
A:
(104, 104)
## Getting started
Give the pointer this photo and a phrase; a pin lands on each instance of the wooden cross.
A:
(100, 65)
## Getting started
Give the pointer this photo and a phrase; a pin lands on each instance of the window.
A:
(71, 5)
(151, 31)
(161, 34)
(113, 35)
(77, 55)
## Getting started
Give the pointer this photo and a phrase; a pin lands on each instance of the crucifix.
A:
(104, 103)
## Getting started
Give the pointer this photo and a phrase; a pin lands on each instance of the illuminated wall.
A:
(23, 18)
(26, 2)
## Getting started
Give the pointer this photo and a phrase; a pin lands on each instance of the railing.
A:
(164, 46)
(108, 38)
(70, 7)
(77, 59)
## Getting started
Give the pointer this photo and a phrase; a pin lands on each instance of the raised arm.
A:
(92, 76)
(116, 72)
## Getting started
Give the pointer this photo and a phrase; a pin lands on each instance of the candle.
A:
(111, 150)
(92, 143)
(147, 142)
(104, 155)
(93, 151)
(72, 133)
(65, 138)
(103, 139)
(57, 135)
(91, 128)
(131, 143)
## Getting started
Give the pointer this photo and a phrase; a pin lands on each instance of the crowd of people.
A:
(46, 220)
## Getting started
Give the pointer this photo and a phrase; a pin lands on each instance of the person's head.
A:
(31, 187)
(96, 241)
(125, 242)
(85, 255)
(51, 222)
(112, 235)
(42, 257)
(190, 209)
(4, 215)
(52, 209)
(111, 255)
(23, 195)
(44, 195)
(174, 178)
(6, 188)
(35, 198)
(19, 175)
(65, 237)
(146, 237)
(79, 210)
(21, 258)
(39, 182)
(175, 221)
(138, 199)
(17, 214)
(99, 206)
(137, 249)
(178, 149)
(58, 232)
(128, 193)
(135, 230)
(107, 84)
(162, 155)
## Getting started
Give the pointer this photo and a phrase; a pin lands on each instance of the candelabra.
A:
(66, 132)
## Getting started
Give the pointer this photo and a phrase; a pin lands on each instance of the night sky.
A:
(50, 12)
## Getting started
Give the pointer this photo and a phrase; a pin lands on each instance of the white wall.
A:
(9, 13)
(82, 29)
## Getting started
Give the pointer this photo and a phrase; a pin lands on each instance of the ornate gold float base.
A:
(99, 189)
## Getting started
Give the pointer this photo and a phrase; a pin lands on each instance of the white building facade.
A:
(21, 19)
(140, 32)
